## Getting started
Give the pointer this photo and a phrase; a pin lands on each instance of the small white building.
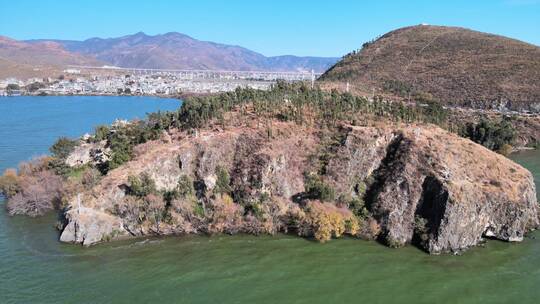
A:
(72, 71)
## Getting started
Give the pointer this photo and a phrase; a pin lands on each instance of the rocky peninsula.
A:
(289, 160)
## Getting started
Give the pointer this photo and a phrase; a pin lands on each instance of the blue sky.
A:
(278, 27)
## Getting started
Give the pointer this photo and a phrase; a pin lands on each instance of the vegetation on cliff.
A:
(284, 102)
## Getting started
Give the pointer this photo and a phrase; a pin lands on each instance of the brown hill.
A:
(455, 65)
(21, 59)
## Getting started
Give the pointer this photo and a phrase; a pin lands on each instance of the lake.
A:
(36, 268)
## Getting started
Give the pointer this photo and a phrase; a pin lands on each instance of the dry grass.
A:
(454, 65)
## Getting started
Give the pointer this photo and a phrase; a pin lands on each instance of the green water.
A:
(36, 268)
(531, 161)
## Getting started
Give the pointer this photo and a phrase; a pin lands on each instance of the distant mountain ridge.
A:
(453, 65)
(178, 51)
(45, 58)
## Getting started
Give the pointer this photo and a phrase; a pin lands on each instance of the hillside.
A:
(455, 65)
(21, 59)
(178, 51)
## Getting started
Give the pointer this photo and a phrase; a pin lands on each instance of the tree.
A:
(38, 193)
(35, 86)
(497, 136)
(12, 87)
(63, 147)
(155, 209)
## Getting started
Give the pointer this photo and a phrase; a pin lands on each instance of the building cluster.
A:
(128, 84)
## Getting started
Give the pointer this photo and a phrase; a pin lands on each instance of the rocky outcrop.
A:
(448, 193)
(89, 226)
(419, 184)
(88, 152)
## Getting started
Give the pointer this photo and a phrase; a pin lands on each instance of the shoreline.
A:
(178, 96)
(111, 95)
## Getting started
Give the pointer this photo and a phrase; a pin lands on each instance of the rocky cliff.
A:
(408, 184)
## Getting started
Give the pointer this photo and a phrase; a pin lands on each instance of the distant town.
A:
(118, 81)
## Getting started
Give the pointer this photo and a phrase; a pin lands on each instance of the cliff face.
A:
(417, 184)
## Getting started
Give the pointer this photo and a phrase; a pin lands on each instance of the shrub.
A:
(274, 216)
(185, 186)
(141, 186)
(358, 207)
(505, 150)
(101, 133)
(223, 181)
(90, 178)
(9, 183)
(122, 138)
(316, 188)
(155, 209)
(225, 215)
(397, 87)
(37, 194)
(369, 229)
(420, 228)
(35, 165)
(198, 209)
(129, 208)
(182, 216)
(325, 221)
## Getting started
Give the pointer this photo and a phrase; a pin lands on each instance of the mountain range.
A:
(166, 51)
(452, 65)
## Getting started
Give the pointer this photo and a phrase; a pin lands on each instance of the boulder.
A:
(89, 226)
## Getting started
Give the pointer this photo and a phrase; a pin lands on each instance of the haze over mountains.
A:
(454, 65)
(178, 51)
(167, 51)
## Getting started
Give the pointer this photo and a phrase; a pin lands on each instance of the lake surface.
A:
(36, 268)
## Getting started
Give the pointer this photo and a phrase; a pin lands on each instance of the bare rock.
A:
(89, 226)
(456, 190)
(85, 153)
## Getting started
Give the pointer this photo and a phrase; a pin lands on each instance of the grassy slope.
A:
(454, 65)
